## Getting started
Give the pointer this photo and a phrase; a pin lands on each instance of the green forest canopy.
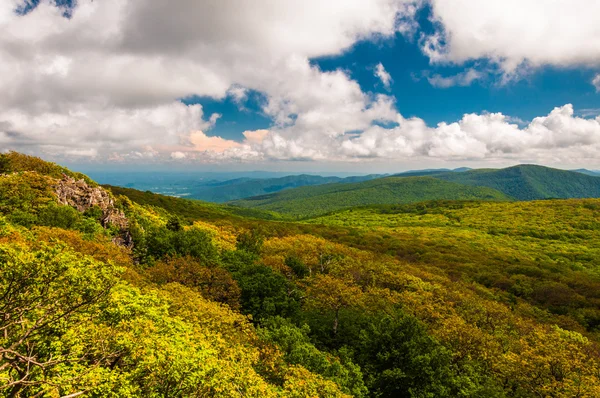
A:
(433, 299)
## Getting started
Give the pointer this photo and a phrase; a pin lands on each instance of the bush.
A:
(297, 266)
(213, 283)
(266, 293)
(162, 242)
(58, 216)
(251, 242)
(4, 164)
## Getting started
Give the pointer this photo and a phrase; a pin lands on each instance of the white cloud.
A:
(515, 33)
(383, 75)
(239, 95)
(256, 136)
(200, 142)
(104, 78)
(558, 137)
(106, 83)
(596, 82)
(461, 79)
(102, 129)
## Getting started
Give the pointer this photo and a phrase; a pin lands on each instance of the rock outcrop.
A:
(81, 196)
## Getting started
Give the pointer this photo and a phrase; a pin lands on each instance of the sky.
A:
(342, 85)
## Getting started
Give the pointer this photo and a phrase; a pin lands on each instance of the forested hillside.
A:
(525, 182)
(529, 182)
(309, 201)
(130, 294)
(225, 191)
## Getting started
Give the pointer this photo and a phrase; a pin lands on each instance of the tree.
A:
(331, 294)
(174, 224)
(213, 282)
(251, 241)
(297, 266)
(45, 293)
(400, 359)
(4, 164)
(162, 242)
(266, 293)
(299, 350)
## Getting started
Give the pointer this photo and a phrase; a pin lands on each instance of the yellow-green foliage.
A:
(77, 328)
(25, 191)
(18, 162)
(438, 299)
(223, 238)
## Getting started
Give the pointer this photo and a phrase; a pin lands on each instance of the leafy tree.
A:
(24, 218)
(330, 294)
(162, 243)
(266, 293)
(25, 192)
(4, 164)
(44, 293)
(174, 224)
(213, 282)
(298, 349)
(236, 260)
(55, 215)
(94, 212)
(400, 359)
(251, 241)
(297, 266)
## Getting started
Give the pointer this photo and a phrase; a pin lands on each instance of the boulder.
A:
(81, 196)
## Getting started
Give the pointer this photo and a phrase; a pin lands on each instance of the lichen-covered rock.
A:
(81, 196)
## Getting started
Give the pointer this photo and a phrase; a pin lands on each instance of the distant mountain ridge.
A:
(593, 173)
(523, 182)
(219, 188)
(313, 200)
(224, 191)
(530, 182)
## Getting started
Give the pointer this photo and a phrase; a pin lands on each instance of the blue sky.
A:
(293, 85)
(535, 94)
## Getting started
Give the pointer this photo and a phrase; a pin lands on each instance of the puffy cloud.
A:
(102, 79)
(202, 142)
(92, 129)
(256, 136)
(515, 33)
(383, 75)
(558, 137)
(106, 83)
(461, 79)
(596, 82)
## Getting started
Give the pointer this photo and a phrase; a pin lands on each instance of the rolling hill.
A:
(218, 187)
(224, 191)
(308, 201)
(114, 291)
(530, 182)
(593, 173)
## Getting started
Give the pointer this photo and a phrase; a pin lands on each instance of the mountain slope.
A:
(217, 187)
(530, 182)
(224, 191)
(593, 173)
(445, 298)
(309, 201)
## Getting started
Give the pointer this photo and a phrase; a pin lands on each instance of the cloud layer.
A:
(558, 137)
(107, 83)
(516, 35)
(109, 79)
